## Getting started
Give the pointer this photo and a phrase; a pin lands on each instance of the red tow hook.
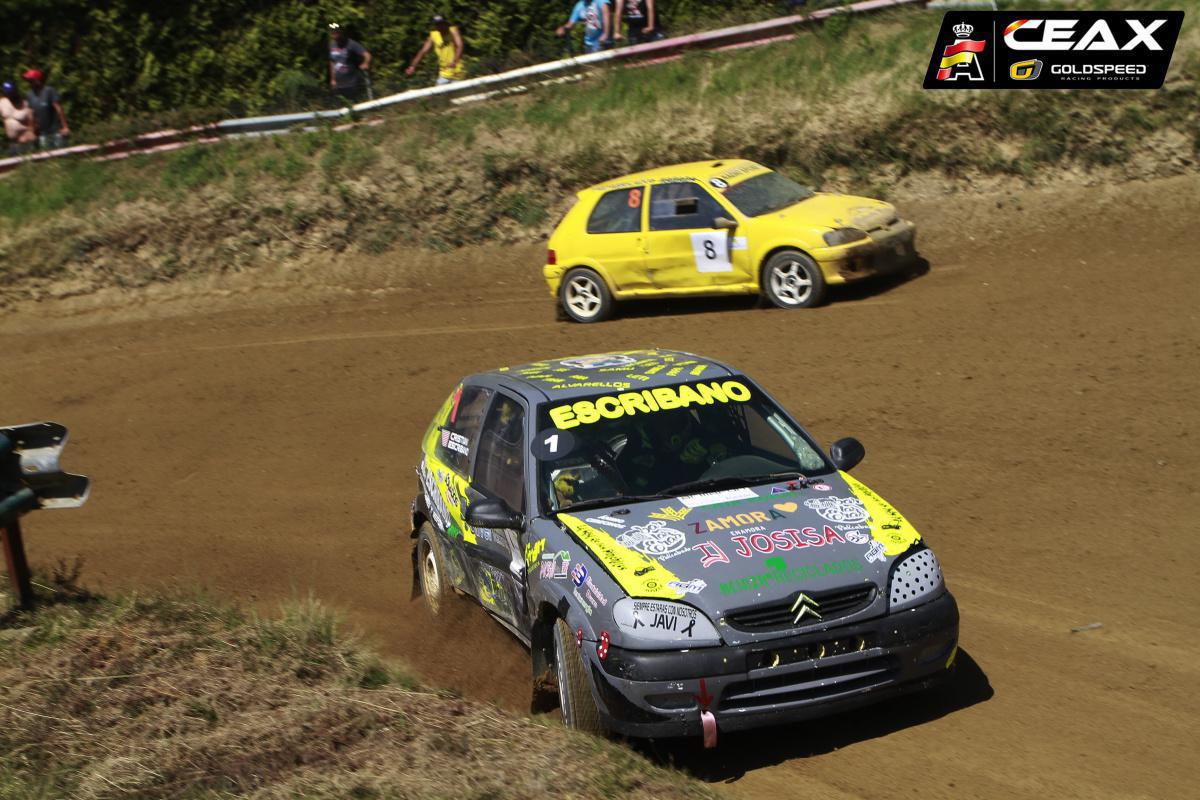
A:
(708, 722)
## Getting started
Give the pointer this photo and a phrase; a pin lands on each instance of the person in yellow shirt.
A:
(447, 43)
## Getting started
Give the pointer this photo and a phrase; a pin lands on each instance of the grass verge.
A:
(184, 696)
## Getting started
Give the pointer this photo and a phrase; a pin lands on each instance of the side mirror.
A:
(724, 224)
(492, 512)
(847, 453)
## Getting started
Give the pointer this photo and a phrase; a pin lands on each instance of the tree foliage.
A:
(129, 58)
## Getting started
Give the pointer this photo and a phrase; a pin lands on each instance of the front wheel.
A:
(574, 690)
(584, 296)
(791, 279)
(429, 568)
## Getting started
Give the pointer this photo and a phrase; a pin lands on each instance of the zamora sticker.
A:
(662, 398)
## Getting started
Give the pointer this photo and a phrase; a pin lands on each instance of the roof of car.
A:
(726, 169)
(626, 370)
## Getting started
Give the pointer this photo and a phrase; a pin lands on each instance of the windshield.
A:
(764, 193)
(645, 443)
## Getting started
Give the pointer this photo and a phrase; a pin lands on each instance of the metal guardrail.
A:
(484, 86)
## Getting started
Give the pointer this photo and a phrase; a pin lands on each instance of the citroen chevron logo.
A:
(672, 514)
(807, 606)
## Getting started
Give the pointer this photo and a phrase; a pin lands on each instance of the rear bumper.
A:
(887, 251)
(658, 694)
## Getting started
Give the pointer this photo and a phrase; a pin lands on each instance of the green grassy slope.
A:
(839, 107)
(156, 697)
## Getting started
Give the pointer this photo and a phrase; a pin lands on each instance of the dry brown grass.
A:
(182, 697)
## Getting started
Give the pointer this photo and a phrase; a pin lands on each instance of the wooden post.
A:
(18, 567)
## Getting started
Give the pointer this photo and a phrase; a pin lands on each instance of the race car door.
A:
(615, 238)
(500, 472)
(683, 248)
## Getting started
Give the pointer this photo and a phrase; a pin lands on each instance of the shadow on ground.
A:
(680, 306)
(739, 753)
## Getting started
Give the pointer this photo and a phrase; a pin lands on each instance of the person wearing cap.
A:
(19, 123)
(348, 63)
(447, 43)
(51, 120)
(596, 17)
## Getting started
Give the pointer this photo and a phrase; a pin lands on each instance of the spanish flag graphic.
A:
(963, 52)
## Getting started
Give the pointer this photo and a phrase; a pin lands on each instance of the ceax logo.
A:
(1025, 70)
(806, 606)
(961, 59)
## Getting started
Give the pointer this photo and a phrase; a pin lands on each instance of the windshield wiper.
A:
(615, 500)
(734, 480)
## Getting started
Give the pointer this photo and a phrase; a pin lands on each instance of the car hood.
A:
(741, 547)
(823, 211)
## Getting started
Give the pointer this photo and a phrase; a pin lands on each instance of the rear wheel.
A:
(791, 279)
(429, 566)
(574, 689)
(584, 296)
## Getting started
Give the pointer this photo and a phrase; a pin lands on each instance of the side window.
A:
(461, 430)
(680, 206)
(619, 211)
(500, 463)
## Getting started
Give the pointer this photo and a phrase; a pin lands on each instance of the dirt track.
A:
(1029, 403)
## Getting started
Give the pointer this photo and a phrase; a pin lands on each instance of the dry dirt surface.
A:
(1029, 403)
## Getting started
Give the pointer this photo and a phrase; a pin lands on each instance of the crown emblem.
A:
(671, 514)
(962, 30)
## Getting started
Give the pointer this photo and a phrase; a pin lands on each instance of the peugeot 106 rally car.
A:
(675, 550)
(718, 227)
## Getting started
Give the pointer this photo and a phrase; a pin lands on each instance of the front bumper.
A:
(659, 694)
(886, 251)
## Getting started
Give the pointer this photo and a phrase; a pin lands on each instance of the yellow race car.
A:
(714, 228)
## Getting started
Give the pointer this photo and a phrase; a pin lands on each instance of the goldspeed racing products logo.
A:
(1053, 50)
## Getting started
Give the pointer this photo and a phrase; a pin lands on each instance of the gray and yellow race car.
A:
(675, 550)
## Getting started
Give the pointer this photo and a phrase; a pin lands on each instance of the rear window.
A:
(619, 211)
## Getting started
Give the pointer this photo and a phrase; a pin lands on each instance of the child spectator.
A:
(349, 62)
(447, 43)
(48, 114)
(597, 19)
(19, 125)
(640, 16)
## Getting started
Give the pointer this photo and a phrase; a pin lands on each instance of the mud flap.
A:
(709, 723)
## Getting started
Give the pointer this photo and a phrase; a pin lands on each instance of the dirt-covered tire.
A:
(791, 279)
(431, 571)
(574, 687)
(584, 297)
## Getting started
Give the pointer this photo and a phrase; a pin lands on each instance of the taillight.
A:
(602, 645)
(551, 258)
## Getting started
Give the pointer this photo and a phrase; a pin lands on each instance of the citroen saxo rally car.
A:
(713, 228)
(676, 551)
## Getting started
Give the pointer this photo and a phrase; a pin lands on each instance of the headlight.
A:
(844, 236)
(661, 625)
(915, 579)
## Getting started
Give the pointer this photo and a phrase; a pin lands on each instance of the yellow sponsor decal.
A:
(638, 575)
(647, 401)
(888, 526)
(671, 514)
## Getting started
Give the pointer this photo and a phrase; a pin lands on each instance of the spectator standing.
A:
(447, 44)
(597, 18)
(349, 62)
(641, 18)
(48, 114)
(19, 124)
